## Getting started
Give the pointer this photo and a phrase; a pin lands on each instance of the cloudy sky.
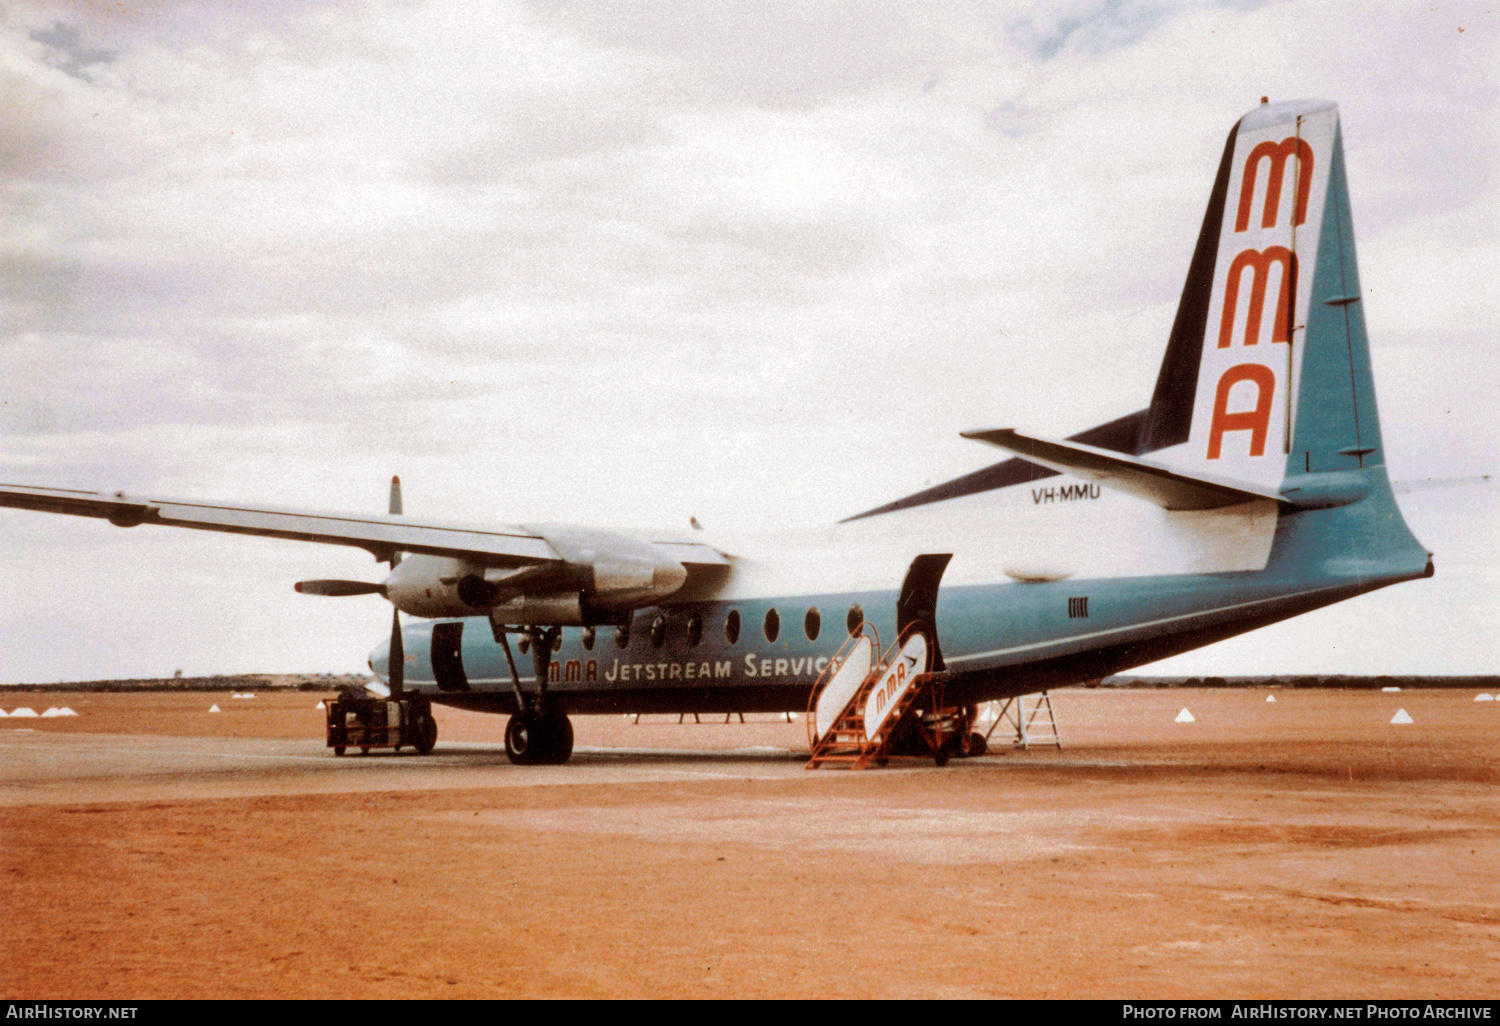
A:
(623, 263)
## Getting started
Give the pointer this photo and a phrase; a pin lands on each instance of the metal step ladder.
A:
(1034, 722)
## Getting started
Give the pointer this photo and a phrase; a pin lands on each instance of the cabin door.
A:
(917, 605)
(448, 657)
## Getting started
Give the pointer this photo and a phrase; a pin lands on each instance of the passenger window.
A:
(622, 635)
(695, 629)
(856, 619)
(812, 623)
(588, 638)
(658, 630)
(732, 626)
(773, 624)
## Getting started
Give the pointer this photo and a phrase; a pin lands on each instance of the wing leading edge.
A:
(382, 536)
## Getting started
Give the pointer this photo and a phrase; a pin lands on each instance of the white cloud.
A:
(671, 254)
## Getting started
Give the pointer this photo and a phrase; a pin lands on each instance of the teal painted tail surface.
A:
(1337, 426)
(1336, 452)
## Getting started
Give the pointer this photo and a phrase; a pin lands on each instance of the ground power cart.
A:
(363, 721)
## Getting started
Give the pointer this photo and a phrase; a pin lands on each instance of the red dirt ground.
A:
(1305, 848)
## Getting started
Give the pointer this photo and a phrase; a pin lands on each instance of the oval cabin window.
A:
(812, 623)
(856, 619)
(732, 626)
(773, 624)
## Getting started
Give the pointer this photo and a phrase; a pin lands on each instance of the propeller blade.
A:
(396, 662)
(339, 589)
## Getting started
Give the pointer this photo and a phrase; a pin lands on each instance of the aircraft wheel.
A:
(559, 734)
(977, 744)
(338, 749)
(946, 750)
(524, 740)
(427, 735)
(364, 750)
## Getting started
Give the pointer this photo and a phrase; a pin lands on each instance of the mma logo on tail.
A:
(1256, 420)
(1277, 154)
(1259, 264)
(1247, 369)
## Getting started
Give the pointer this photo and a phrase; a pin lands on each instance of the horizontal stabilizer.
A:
(1167, 488)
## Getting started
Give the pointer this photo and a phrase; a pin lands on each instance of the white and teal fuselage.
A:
(999, 636)
(1059, 578)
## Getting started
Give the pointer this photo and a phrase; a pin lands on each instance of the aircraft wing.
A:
(380, 535)
(1154, 482)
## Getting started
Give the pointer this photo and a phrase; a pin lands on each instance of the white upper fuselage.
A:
(1051, 529)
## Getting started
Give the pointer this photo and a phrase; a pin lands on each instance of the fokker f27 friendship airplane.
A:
(1251, 489)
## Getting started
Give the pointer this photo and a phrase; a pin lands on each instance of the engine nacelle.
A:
(564, 609)
(619, 573)
(601, 576)
(430, 586)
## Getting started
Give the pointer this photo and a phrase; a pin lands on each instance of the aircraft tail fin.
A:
(1265, 390)
(1267, 380)
(1267, 376)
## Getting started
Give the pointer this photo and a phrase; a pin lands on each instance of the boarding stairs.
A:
(860, 699)
(1033, 721)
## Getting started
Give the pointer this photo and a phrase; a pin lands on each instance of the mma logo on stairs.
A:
(861, 700)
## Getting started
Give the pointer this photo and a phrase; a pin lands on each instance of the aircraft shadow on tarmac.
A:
(470, 752)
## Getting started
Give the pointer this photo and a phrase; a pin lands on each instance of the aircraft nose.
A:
(380, 660)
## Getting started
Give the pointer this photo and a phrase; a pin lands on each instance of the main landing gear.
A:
(537, 735)
(539, 739)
